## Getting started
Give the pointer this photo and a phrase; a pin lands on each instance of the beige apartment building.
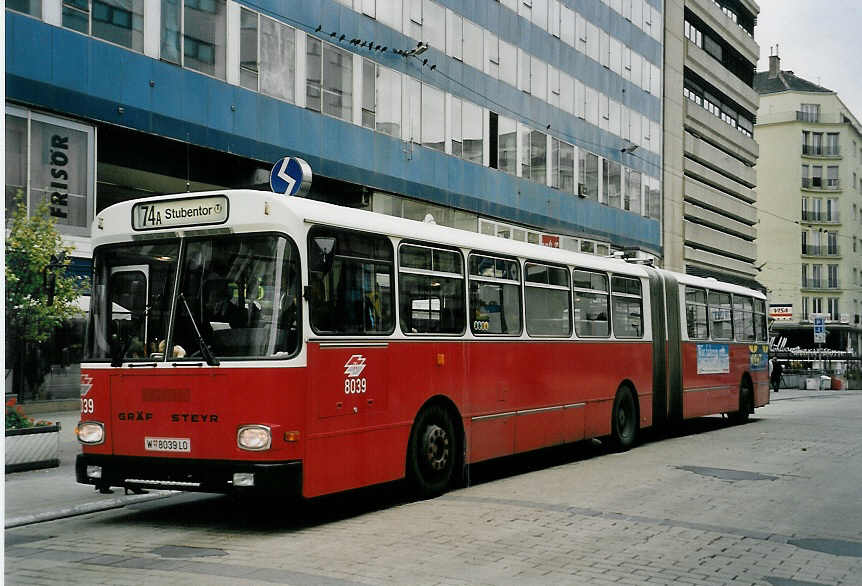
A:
(810, 204)
(710, 217)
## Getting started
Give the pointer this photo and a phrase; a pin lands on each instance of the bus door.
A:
(130, 299)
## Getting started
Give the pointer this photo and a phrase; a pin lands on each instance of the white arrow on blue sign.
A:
(290, 176)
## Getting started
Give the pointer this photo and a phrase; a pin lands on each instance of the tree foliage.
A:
(32, 242)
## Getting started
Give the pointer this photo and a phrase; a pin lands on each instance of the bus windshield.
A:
(239, 292)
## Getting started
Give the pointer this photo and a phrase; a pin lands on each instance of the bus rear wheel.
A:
(746, 404)
(624, 422)
(433, 452)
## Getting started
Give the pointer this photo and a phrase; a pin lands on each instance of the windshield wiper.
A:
(119, 349)
(205, 350)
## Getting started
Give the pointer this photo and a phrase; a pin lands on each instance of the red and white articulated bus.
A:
(244, 339)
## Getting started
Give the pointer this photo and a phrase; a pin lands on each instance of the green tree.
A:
(34, 254)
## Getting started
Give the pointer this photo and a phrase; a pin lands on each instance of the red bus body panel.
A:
(524, 396)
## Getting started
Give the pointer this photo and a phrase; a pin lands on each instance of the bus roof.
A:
(295, 215)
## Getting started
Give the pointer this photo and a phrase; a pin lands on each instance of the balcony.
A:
(821, 285)
(819, 217)
(817, 183)
(820, 250)
(828, 151)
(807, 116)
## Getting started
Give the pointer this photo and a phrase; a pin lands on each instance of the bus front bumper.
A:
(223, 476)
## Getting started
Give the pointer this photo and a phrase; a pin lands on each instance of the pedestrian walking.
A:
(775, 375)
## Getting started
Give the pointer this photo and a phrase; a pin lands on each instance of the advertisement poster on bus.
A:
(713, 358)
(758, 357)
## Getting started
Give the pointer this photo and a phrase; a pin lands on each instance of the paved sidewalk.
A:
(52, 493)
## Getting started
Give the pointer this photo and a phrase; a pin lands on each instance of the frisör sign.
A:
(174, 213)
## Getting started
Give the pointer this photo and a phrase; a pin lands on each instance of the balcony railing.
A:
(820, 250)
(813, 150)
(807, 116)
(821, 284)
(819, 183)
(821, 217)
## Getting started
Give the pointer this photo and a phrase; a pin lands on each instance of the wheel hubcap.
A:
(435, 445)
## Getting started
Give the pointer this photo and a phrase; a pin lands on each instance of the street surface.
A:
(777, 501)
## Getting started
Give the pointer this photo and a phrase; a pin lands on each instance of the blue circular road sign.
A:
(290, 176)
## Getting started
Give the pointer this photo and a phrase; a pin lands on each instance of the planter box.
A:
(32, 448)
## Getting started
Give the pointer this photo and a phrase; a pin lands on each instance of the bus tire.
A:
(624, 419)
(433, 452)
(746, 404)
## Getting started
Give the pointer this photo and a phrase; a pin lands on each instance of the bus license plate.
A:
(167, 444)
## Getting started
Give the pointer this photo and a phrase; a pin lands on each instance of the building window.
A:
(432, 18)
(454, 35)
(492, 55)
(277, 59)
(31, 7)
(432, 118)
(388, 102)
(816, 305)
(832, 181)
(805, 308)
(508, 63)
(834, 315)
(534, 155)
(563, 166)
(817, 176)
(588, 174)
(632, 197)
(329, 86)
(466, 130)
(832, 274)
(76, 15)
(369, 94)
(473, 45)
(832, 148)
(248, 40)
(170, 43)
(804, 268)
(507, 141)
(612, 182)
(205, 51)
(809, 113)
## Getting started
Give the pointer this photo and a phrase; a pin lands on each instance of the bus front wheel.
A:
(624, 423)
(433, 452)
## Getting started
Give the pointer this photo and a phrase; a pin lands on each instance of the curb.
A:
(85, 508)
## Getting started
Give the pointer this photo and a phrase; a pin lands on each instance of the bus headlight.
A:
(90, 432)
(254, 437)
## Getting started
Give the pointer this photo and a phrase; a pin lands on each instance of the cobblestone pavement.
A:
(777, 501)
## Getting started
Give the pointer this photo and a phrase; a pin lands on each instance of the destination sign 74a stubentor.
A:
(192, 211)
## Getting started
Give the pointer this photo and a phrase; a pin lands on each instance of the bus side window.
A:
(431, 290)
(628, 307)
(696, 314)
(547, 299)
(350, 276)
(720, 316)
(591, 304)
(495, 295)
